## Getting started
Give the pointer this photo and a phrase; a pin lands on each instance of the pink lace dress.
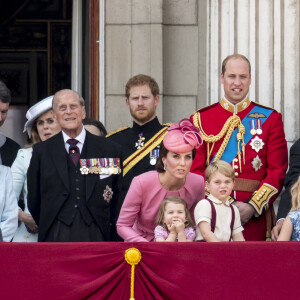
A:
(161, 232)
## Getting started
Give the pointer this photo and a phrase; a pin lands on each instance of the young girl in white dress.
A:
(291, 226)
(174, 222)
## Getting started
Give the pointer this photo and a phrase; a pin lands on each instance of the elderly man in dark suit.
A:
(73, 180)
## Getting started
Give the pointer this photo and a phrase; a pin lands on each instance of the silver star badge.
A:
(139, 145)
(256, 163)
(257, 144)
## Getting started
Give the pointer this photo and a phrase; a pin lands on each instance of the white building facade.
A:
(182, 43)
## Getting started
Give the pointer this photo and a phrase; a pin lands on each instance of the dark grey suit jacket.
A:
(290, 178)
(9, 152)
(48, 184)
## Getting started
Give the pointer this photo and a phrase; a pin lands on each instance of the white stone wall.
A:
(180, 65)
(181, 43)
(267, 32)
(133, 45)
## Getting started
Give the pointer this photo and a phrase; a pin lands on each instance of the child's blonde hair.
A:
(174, 199)
(219, 166)
(295, 192)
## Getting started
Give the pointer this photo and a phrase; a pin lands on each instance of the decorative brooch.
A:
(84, 170)
(257, 144)
(140, 143)
(108, 193)
(256, 163)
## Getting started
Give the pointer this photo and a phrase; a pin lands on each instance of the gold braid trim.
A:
(226, 131)
(260, 199)
(134, 158)
(116, 131)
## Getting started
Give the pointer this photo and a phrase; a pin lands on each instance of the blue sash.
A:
(232, 149)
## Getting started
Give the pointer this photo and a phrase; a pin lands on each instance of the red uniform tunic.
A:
(265, 168)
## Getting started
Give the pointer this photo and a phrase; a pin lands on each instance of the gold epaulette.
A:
(118, 130)
(261, 198)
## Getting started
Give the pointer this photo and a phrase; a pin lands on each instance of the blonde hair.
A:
(173, 199)
(295, 192)
(219, 166)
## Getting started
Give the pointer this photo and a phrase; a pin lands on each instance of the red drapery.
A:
(249, 270)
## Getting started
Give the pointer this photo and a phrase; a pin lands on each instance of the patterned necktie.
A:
(74, 151)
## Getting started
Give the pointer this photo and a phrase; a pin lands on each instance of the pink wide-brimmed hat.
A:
(182, 137)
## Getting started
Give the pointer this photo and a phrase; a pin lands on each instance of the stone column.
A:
(267, 32)
(133, 45)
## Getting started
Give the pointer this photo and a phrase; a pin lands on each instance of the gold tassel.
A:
(133, 257)
(239, 138)
(242, 131)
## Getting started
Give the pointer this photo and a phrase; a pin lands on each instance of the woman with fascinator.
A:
(40, 126)
(172, 177)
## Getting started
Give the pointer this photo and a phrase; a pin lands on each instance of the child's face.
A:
(173, 213)
(220, 186)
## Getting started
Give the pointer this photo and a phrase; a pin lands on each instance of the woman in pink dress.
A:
(172, 177)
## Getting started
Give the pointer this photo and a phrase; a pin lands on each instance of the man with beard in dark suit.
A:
(73, 180)
(140, 143)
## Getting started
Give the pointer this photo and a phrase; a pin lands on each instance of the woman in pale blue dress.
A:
(291, 226)
(40, 126)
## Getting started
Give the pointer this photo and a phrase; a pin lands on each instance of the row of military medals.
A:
(105, 166)
(153, 153)
(256, 143)
(256, 127)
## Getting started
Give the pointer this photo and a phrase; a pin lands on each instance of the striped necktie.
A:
(74, 150)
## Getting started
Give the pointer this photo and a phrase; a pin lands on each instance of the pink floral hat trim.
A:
(182, 137)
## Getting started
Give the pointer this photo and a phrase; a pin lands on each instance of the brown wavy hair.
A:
(174, 199)
(163, 151)
(35, 138)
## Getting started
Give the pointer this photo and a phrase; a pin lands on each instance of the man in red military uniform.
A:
(251, 138)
